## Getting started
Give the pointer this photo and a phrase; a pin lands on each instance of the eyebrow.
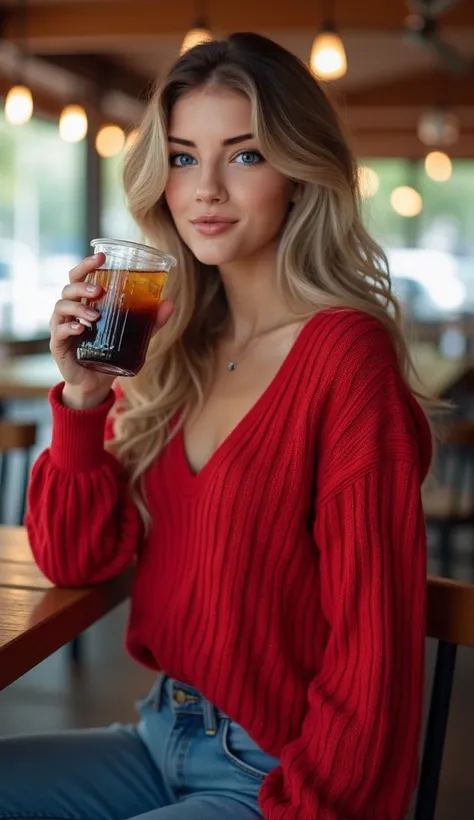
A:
(230, 141)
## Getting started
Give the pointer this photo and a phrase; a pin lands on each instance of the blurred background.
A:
(403, 83)
(74, 79)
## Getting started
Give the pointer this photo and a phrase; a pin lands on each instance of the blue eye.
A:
(181, 160)
(248, 158)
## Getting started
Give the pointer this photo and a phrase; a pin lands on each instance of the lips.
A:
(212, 219)
(211, 225)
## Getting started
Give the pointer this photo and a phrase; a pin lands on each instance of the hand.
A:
(83, 388)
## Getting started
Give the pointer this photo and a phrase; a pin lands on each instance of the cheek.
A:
(268, 195)
(176, 196)
(267, 202)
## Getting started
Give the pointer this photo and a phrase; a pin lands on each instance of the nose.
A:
(210, 188)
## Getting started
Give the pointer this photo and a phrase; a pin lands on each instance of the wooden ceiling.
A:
(115, 48)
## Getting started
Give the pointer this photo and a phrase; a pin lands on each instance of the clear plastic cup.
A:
(133, 277)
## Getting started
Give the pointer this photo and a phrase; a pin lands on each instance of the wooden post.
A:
(93, 197)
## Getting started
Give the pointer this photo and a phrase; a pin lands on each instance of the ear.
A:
(297, 193)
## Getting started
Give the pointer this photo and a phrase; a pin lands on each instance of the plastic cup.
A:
(133, 277)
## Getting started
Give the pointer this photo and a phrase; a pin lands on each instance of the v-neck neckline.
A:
(194, 480)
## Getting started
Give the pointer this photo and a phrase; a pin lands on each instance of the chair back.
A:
(15, 437)
(449, 495)
(450, 621)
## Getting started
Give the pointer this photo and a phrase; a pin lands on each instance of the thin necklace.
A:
(232, 364)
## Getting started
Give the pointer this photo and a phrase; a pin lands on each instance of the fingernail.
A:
(75, 325)
(94, 258)
(91, 288)
(92, 313)
(84, 322)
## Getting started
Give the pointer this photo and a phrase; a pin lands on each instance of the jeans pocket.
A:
(243, 752)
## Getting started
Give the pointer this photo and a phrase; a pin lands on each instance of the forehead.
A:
(210, 113)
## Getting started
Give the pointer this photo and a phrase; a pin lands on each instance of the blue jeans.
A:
(184, 760)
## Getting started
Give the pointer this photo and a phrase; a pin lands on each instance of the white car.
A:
(427, 283)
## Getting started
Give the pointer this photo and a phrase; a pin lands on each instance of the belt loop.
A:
(158, 691)
(209, 715)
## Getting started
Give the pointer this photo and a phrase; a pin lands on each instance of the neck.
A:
(254, 304)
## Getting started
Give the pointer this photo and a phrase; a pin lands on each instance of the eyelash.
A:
(245, 164)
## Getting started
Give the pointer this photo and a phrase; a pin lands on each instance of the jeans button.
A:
(179, 696)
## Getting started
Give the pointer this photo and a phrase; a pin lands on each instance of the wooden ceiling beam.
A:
(376, 142)
(420, 89)
(98, 24)
(405, 145)
(103, 73)
(49, 107)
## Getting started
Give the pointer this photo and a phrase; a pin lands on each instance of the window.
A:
(116, 220)
(431, 255)
(42, 190)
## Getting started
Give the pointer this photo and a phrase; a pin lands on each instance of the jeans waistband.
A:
(183, 698)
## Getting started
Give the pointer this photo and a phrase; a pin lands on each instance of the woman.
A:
(263, 471)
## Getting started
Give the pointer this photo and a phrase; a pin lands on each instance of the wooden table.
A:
(28, 377)
(37, 618)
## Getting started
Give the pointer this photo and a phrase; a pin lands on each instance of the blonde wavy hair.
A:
(326, 257)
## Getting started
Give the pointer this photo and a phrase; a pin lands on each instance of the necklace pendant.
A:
(231, 367)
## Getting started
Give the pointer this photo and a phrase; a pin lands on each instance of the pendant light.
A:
(438, 127)
(328, 59)
(73, 123)
(109, 141)
(406, 201)
(369, 181)
(199, 33)
(438, 166)
(196, 36)
(19, 100)
(18, 105)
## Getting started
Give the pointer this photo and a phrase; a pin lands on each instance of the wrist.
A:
(75, 399)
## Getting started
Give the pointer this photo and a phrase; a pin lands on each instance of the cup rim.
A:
(166, 257)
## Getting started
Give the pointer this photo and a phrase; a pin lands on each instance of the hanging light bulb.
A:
(18, 105)
(438, 166)
(131, 138)
(328, 59)
(369, 181)
(196, 36)
(438, 127)
(73, 123)
(405, 201)
(109, 141)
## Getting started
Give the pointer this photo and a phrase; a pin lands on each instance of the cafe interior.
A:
(75, 76)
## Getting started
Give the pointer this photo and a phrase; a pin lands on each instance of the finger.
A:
(65, 309)
(165, 311)
(81, 290)
(65, 331)
(79, 273)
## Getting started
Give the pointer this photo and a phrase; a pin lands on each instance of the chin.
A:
(216, 259)
(212, 254)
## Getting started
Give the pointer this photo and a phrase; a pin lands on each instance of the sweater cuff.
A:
(77, 443)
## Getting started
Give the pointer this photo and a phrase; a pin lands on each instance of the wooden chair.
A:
(15, 436)
(448, 497)
(450, 621)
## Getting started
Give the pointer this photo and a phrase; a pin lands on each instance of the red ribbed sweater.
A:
(286, 580)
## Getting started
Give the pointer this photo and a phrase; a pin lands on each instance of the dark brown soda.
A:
(117, 342)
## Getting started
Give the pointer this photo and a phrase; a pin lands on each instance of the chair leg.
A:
(75, 650)
(3, 484)
(436, 731)
(24, 488)
(445, 550)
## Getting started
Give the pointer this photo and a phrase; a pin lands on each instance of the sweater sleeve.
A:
(82, 524)
(356, 756)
